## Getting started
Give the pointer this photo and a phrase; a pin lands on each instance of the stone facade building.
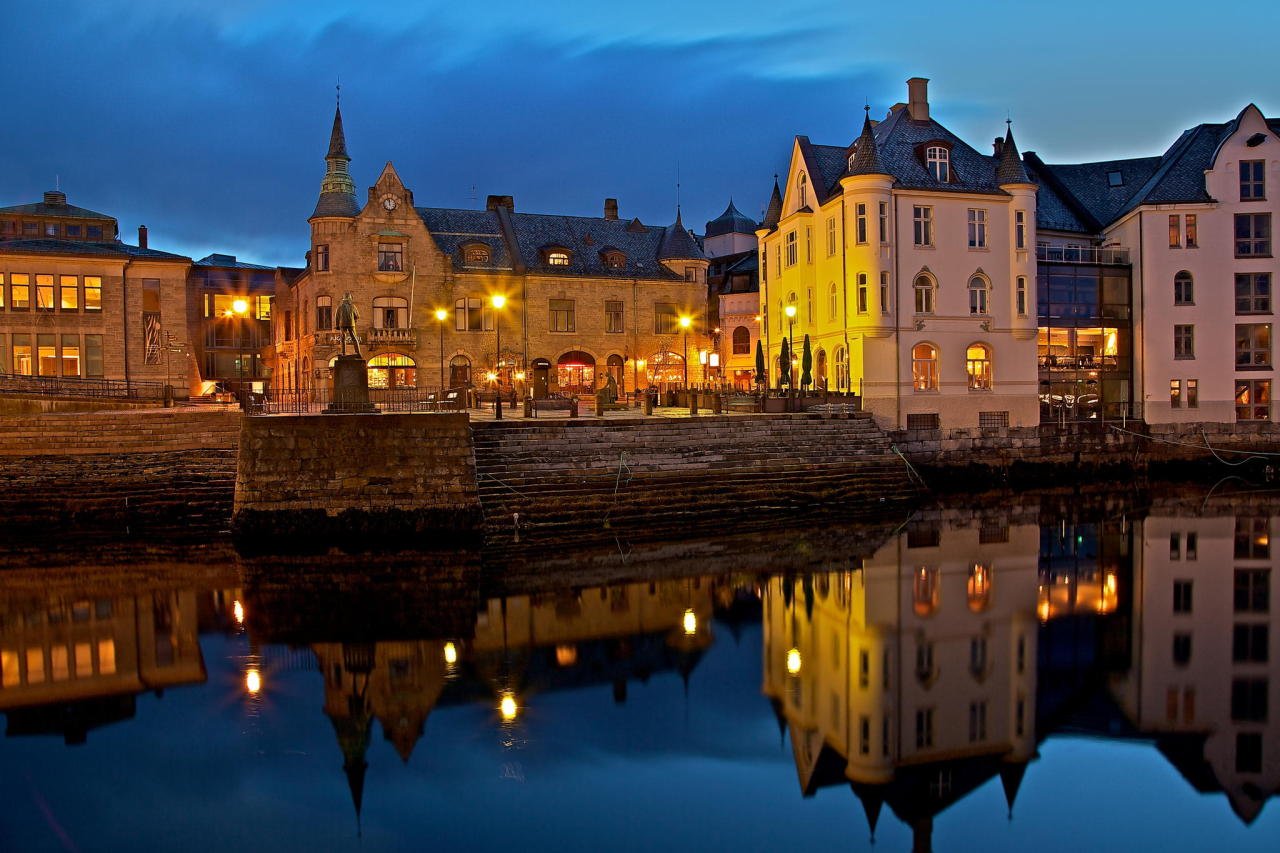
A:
(582, 297)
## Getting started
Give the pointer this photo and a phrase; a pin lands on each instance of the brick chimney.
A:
(496, 201)
(142, 236)
(610, 208)
(918, 98)
(997, 145)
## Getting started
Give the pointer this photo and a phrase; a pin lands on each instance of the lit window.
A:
(474, 254)
(1253, 400)
(1175, 231)
(924, 367)
(557, 258)
(92, 293)
(1193, 239)
(390, 257)
(1175, 393)
(978, 366)
(68, 293)
(615, 260)
(1253, 345)
(938, 160)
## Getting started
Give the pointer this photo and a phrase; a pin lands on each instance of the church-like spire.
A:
(677, 243)
(773, 212)
(1010, 170)
(866, 160)
(337, 190)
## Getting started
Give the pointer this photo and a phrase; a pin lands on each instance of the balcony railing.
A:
(1109, 255)
(392, 337)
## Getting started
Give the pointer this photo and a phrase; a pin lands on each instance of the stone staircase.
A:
(630, 473)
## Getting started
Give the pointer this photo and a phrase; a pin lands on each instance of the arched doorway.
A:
(541, 378)
(665, 369)
(614, 364)
(576, 373)
(459, 372)
(820, 370)
(392, 370)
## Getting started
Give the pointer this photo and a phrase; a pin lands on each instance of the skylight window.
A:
(1115, 179)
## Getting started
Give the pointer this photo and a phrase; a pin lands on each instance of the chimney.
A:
(55, 198)
(496, 201)
(610, 208)
(142, 236)
(918, 98)
(998, 146)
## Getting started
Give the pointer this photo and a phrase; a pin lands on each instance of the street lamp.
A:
(498, 300)
(790, 311)
(685, 323)
(239, 308)
(441, 316)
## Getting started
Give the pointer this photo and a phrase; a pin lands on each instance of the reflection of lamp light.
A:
(450, 654)
(793, 662)
(253, 682)
(507, 707)
(690, 622)
(237, 610)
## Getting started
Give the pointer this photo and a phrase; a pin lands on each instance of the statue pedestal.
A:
(350, 387)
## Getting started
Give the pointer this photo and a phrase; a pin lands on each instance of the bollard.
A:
(599, 405)
(648, 404)
(717, 404)
(573, 407)
(528, 407)
(693, 402)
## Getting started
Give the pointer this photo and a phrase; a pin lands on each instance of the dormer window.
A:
(475, 254)
(556, 257)
(938, 161)
(615, 261)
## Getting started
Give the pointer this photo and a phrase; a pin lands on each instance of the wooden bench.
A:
(555, 404)
(451, 401)
(742, 403)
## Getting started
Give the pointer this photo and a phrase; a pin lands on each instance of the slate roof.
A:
(110, 249)
(773, 212)
(1010, 169)
(337, 137)
(66, 211)
(866, 158)
(678, 243)
(336, 204)
(1056, 209)
(229, 261)
(743, 263)
(520, 243)
(732, 221)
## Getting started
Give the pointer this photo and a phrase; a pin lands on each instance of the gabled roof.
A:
(111, 249)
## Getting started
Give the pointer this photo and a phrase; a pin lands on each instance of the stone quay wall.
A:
(359, 478)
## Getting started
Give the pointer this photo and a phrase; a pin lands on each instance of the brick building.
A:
(585, 297)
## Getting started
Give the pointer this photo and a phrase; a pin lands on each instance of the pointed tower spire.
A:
(1011, 779)
(337, 190)
(773, 212)
(866, 160)
(1010, 170)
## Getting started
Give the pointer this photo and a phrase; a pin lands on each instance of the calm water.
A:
(1063, 673)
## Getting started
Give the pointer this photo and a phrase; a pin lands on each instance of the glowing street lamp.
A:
(685, 323)
(498, 300)
(441, 316)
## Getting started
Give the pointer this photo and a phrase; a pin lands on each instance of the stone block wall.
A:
(119, 432)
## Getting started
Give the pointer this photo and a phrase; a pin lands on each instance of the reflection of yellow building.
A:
(920, 663)
(91, 656)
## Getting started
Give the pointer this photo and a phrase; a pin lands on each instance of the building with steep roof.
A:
(733, 295)
(906, 259)
(585, 297)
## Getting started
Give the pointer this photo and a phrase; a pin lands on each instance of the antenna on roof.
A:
(677, 187)
(475, 199)
(339, 88)
(57, 182)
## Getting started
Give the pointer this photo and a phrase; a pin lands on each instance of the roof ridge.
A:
(1171, 157)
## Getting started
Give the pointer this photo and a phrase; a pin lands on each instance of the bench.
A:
(451, 401)
(555, 404)
(742, 403)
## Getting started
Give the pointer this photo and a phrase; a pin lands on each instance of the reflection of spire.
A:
(1010, 779)
(778, 715)
(872, 799)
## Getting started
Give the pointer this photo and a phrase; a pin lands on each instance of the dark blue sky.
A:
(208, 122)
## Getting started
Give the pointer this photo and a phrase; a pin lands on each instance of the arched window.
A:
(924, 591)
(978, 366)
(820, 370)
(742, 341)
(614, 365)
(555, 256)
(1184, 289)
(459, 371)
(978, 588)
(924, 367)
(475, 253)
(842, 369)
(324, 313)
(804, 189)
(392, 370)
(979, 295)
(938, 160)
(925, 294)
(614, 260)
(833, 301)
(390, 312)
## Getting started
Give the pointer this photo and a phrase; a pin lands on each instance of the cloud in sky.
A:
(208, 122)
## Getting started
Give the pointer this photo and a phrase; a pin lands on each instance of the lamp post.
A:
(790, 311)
(685, 323)
(498, 300)
(441, 316)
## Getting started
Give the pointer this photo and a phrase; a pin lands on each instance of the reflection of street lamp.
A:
(685, 323)
(498, 300)
(790, 311)
(507, 707)
(441, 316)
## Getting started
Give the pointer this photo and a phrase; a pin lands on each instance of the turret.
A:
(337, 190)
(1012, 177)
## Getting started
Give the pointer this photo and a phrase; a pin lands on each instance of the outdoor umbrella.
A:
(761, 376)
(806, 364)
(784, 362)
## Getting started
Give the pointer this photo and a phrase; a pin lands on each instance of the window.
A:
(938, 161)
(1175, 231)
(804, 189)
(31, 229)
(692, 274)
(93, 232)
(1193, 239)
(92, 293)
(1175, 546)
(792, 249)
(1252, 538)
(469, 315)
(68, 293)
(20, 290)
(1021, 295)
(1184, 341)
(924, 367)
(44, 292)
(1115, 179)
(1193, 541)
(978, 295)
(1253, 176)
(977, 652)
(862, 293)
(1175, 394)
(23, 365)
(924, 728)
(475, 254)
(1249, 700)
(884, 293)
(1182, 596)
(1249, 643)
(51, 229)
(70, 345)
(742, 341)
(1253, 345)
(322, 257)
(1184, 292)
(977, 721)
(1020, 229)
(808, 245)
(557, 258)
(1253, 293)
(390, 312)
(151, 321)
(613, 316)
(884, 222)
(1248, 752)
(324, 313)
(1252, 590)
(93, 356)
(924, 294)
(977, 228)
(1181, 649)
(860, 216)
(833, 301)
(777, 259)
(1253, 235)
(842, 369)
(562, 315)
(978, 366)
(864, 734)
(922, 218)
(808, 305)
(2, 297)
(390, 257)
(47, 355)
(1253, 400)
(831, 236)
(612, 260)
(666, 320)
(1193, 394)
(924, 601)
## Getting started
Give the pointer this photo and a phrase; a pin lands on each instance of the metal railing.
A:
(280, 401)
(1109, 255)
(66, 386)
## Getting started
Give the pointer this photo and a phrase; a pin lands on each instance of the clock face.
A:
(389, 202)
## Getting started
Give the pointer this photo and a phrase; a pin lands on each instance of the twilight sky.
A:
(208, 122)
